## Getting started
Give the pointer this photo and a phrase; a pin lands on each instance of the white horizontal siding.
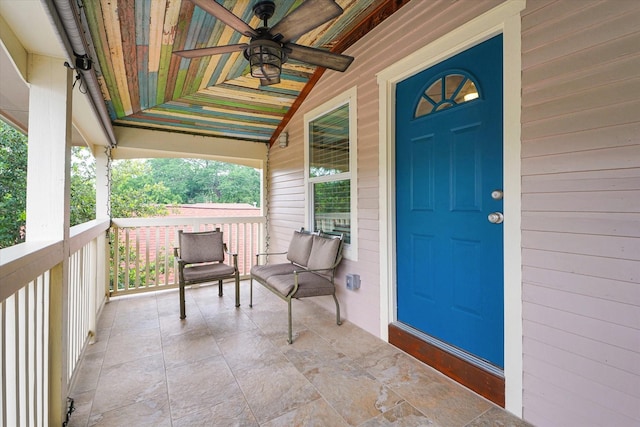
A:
(581, 212)
(413, 26)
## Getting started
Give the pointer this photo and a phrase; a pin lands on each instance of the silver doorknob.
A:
(495, 217)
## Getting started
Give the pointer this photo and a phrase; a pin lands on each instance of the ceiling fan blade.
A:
(319, 57)
(206, 51)
(223, 14)
(309, 15)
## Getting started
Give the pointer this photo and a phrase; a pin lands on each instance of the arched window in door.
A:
(446, 91)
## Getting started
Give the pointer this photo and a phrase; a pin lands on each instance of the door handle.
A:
(495, 218)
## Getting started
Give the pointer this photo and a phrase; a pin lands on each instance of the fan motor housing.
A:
(264, 10)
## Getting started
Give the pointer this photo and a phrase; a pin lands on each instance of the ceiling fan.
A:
(269, 48)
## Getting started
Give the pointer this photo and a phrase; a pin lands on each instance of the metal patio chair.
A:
(200, 257)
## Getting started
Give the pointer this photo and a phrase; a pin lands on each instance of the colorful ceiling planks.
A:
(145, 85)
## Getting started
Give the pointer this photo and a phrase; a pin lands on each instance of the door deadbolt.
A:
(495, 218)
(497, 195)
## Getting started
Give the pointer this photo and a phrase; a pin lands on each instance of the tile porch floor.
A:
(224, 366)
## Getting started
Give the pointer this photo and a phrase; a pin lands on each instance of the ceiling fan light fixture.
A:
(265, 59)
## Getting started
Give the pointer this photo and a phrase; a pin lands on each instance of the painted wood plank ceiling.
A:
(145, 85)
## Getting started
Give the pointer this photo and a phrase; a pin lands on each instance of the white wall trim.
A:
(503, 19)
(350, 97)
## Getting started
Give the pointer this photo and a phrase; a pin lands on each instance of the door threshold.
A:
(478, 375)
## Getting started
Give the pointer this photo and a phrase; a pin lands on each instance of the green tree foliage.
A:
(200, 181)
(13, 185)
(139, 187)
(134, 192)
(83, 186)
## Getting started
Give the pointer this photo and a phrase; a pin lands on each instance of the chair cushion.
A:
(208, 272)
(206, 246)
(263, 272)
(309, 285)
(300, 248)
(323, 253)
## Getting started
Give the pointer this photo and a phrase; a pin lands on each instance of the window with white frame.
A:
(330, 169)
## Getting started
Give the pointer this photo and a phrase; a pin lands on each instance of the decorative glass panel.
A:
(446, 92)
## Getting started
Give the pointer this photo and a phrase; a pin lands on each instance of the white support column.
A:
(48, 189)
(103, 201)
(49, 149)
(103, 209)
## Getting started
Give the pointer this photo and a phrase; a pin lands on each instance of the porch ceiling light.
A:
(265, 58)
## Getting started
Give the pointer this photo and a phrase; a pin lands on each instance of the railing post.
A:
(57, 342)
(48, 166)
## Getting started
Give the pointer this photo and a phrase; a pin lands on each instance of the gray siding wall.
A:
(581, 212)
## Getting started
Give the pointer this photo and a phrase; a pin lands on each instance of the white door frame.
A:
(503, 19)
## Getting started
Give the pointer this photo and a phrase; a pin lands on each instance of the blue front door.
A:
(448, 182)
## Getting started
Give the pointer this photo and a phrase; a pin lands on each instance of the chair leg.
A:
(219, 288)
(290, 339)
(338, 321)
(251, 292)
(182, 308)
(237, 290)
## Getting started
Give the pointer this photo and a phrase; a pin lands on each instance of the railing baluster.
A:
(166, 258)
(127, 258)
(147, 261)
(137, 258)
(115, 262)
(242, 235)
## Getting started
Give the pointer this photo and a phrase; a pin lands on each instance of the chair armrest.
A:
(235, 258)
(305, 270)
(271, 253)
(258, 255)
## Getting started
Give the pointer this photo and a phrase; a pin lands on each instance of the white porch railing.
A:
(142, 248)
(50, 294)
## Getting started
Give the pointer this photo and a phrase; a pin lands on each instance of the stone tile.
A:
(188, 347)
(168, 303)
(107, 315)
(128, 383)
(152, 413)
(100, 341)
(497, 417)
(249, 350)
(233, 412)
(232, 366)
(352, 340)
(402, 415)
(88, 372)
(310, 351)
(82, 403)
(229, 323)
(131, 345)
(196, 386)
(173, 325)
(314, 414)
(354, 394)
(395, 368)
(207, 300)
(446, 403)
(134, 317)
(274, 390)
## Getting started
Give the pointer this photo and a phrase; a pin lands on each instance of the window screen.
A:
(329, 174)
